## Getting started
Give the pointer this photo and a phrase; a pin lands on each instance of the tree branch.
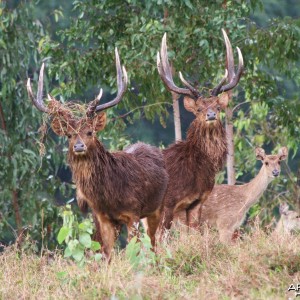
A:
(2, 119)
(139, 107)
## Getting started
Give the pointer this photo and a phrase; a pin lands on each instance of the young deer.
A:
(119, 187)
(193, 164)
(227, 205)
(289, 220)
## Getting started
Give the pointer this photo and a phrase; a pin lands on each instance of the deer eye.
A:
(279, 162)
(219, 108)
(199, 110)
(266, 163)
(69, 136)
(89, 133)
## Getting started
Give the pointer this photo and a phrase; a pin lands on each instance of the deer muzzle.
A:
(275, 173)
(211, 115)
(79, 147)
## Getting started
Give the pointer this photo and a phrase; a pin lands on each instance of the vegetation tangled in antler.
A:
(119, 187)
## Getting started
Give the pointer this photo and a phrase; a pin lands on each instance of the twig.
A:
(238, 105)
(139, 107)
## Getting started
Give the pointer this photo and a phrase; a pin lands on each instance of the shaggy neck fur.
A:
(209, 141)
(92, 170)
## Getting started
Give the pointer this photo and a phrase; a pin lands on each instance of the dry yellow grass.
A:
(259, 267)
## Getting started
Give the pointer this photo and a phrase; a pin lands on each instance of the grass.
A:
(190, 266)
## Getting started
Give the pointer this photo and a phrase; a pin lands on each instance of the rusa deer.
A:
(227, 205)
(120, 187)
(289, 220)
(193, 164)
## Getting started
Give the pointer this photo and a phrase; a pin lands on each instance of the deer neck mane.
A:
(96, 163)
(209, 141)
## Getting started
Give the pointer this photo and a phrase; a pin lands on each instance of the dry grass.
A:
(259, 267)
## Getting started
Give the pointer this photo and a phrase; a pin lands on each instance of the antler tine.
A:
(122, 81)
(236, 77)
(189, 86)
(233, 78)
(229, 56)
(165, 71)
(38, 102)
(216, 90)
(93, 104)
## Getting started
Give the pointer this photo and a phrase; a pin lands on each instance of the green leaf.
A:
(132, 250)
(85, 239)
(78, 253)
(63, 233)
(95, 246)
(68, 252)
(188, 4)
(73, 245)
(98, 256)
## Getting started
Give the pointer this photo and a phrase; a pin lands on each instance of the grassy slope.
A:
(259, 267)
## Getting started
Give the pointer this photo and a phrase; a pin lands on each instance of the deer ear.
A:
(283, 153)
(283, 208)
(190, 104)
(260, 153)
(59, 126)
(224, 100)
(99, 121)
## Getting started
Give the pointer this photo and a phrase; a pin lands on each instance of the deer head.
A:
(81, 131)
(205, 109)
(271, 163)
(289, 218)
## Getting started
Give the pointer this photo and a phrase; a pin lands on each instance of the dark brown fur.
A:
(119, 187)
(193, 164)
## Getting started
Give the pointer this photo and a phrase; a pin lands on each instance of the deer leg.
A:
(107, 234)
(153, 222)
(97, 234)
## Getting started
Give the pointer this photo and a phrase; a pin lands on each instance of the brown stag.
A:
(119, 187)
(193, 164)
(227, 205)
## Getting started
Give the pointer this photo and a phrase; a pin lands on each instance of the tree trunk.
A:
(230, 147)
(17, 211)
(176, 113)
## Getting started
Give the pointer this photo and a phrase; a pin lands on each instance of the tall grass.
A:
(190, 266)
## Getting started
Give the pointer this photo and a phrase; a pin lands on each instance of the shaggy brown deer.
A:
(227, 205)
(193, 164)
(119, 187)
(289, 220)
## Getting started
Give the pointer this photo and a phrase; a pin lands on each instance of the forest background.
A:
(76, 40)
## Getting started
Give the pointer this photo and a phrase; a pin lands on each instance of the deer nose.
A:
(275, 173)
(211, 115)
(79, 147)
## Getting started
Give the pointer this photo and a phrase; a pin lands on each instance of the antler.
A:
(233, 78)
(122, 81)
(38, 101)
(165, 72)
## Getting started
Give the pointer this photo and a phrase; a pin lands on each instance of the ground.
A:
(190, 266)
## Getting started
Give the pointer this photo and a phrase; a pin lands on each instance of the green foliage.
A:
(77, 41)
(139, 252)
(77, 237)
(26, 180)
